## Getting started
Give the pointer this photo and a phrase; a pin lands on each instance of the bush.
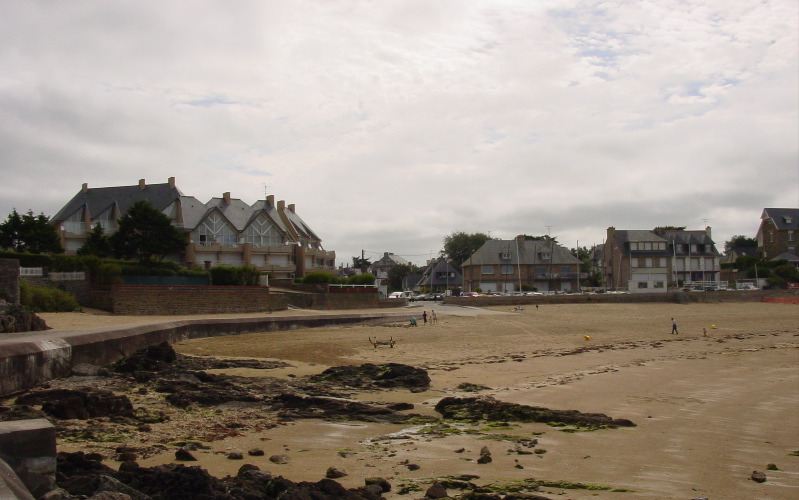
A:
(46, 299)
(235, 276)
(108, 273)
(361, 279)
(320, 277)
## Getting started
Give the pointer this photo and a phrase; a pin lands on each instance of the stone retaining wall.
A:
(154, 300)
(9, 280)
(610, 298)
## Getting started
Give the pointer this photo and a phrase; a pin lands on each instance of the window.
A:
(261, 233)
(790, 236)
(660, 284)
(648, 245)
(504, 256)
(643, 284)
(661, 245)
(648, 262)
(487, 270)
(634, 262)
(662, 262)
(771, 236)
(633, 246)
(74, 223)
(214, 230)
(544, 255)
(507, 270)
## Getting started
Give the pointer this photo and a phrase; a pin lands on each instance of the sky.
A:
(392, 124)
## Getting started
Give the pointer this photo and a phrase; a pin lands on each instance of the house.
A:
(381, 268)
(776, 236)
(439, 276)
(521, 264)
(651, 261)
(223, 231)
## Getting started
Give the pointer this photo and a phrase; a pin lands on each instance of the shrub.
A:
(361, 279)
(320, 277)
(46, 299)
(224, 276)
(108, 273)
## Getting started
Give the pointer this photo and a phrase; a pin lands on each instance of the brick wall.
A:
(9, 280)
(166, 300)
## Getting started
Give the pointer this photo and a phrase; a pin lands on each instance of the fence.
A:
(31, 271)
(68, 276)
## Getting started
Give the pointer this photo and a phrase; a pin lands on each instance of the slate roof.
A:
(98, 200)
(430, 274)
(784, 218)
(528, 252)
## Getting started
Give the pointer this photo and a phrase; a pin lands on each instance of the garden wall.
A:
(173, 300)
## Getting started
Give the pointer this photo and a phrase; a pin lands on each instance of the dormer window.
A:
(504, 256)
(544, 255)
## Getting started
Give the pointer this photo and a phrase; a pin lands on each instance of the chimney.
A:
(270, 200)
(85, 187)
(171, 182)
(226, 197)
(142, 184)
(520, 240)
(291, 207)
(281, 205)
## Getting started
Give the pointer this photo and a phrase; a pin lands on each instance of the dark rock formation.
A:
(488, 408)
(14, 319)
(82, 403)
(369, 376)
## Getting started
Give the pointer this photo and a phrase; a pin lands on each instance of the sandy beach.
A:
(708, 410)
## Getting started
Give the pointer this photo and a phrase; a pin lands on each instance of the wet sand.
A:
(709, 410)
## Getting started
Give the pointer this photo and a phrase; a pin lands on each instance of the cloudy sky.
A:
(391, 124)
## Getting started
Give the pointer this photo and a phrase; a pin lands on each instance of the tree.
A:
(739, 241)
(587, 265)
(145, 232)
(459, 246)
(397, 274)
(97, 244)
(361, 263)
(29, 233)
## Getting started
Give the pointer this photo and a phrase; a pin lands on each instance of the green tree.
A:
(361, 263)
(459, 246)
(144, 233)
(29, 233)
(739, 241)
(362, 279)
(399, 273)
(97, 244)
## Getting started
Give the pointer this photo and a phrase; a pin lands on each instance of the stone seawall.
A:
(611, 298)
(29, 359)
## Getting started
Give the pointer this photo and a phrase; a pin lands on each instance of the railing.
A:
(31, 271)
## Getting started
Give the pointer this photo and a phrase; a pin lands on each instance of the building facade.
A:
(777, 234)
(224, 231)
(643, 261)
(521, 264)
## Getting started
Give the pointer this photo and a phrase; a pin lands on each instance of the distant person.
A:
(433, 317)
(674, 327)
(424, 317)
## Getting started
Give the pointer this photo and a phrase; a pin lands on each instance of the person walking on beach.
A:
(674, 327)
(433, 317)
(424, 317)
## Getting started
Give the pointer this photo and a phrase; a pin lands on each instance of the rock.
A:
(82, 403)
(368, 376)
(485, 456)
(128, 466)
(487, 408)
(248, 468)
(235, 455)
(400, 406)
(758, 476)
(57, 494)
(255, 452)
(374, 490)
(384, 485)
(279, 459)
(109, 495)
(772, 467)
(334, 473)
(20, 412)
(460, 450)
(15, 319)
(413, 466)
(150, 359)
(184, 455)
(437, 490)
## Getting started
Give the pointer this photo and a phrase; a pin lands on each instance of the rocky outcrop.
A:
(14, 319)
(369, 376)
(488, 408)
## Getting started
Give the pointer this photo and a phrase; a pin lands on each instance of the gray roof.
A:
(784, 218)
(529, 252)
(98, 200)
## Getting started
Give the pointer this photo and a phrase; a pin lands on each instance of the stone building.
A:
(776, 236)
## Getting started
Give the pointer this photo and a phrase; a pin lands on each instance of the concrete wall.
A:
(9, 280)
(28, 447)
(610, 298)
(27, 360)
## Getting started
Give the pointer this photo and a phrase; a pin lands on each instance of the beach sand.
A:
(709, 410)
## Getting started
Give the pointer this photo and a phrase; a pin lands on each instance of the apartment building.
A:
(224, 231)
(777, 234)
